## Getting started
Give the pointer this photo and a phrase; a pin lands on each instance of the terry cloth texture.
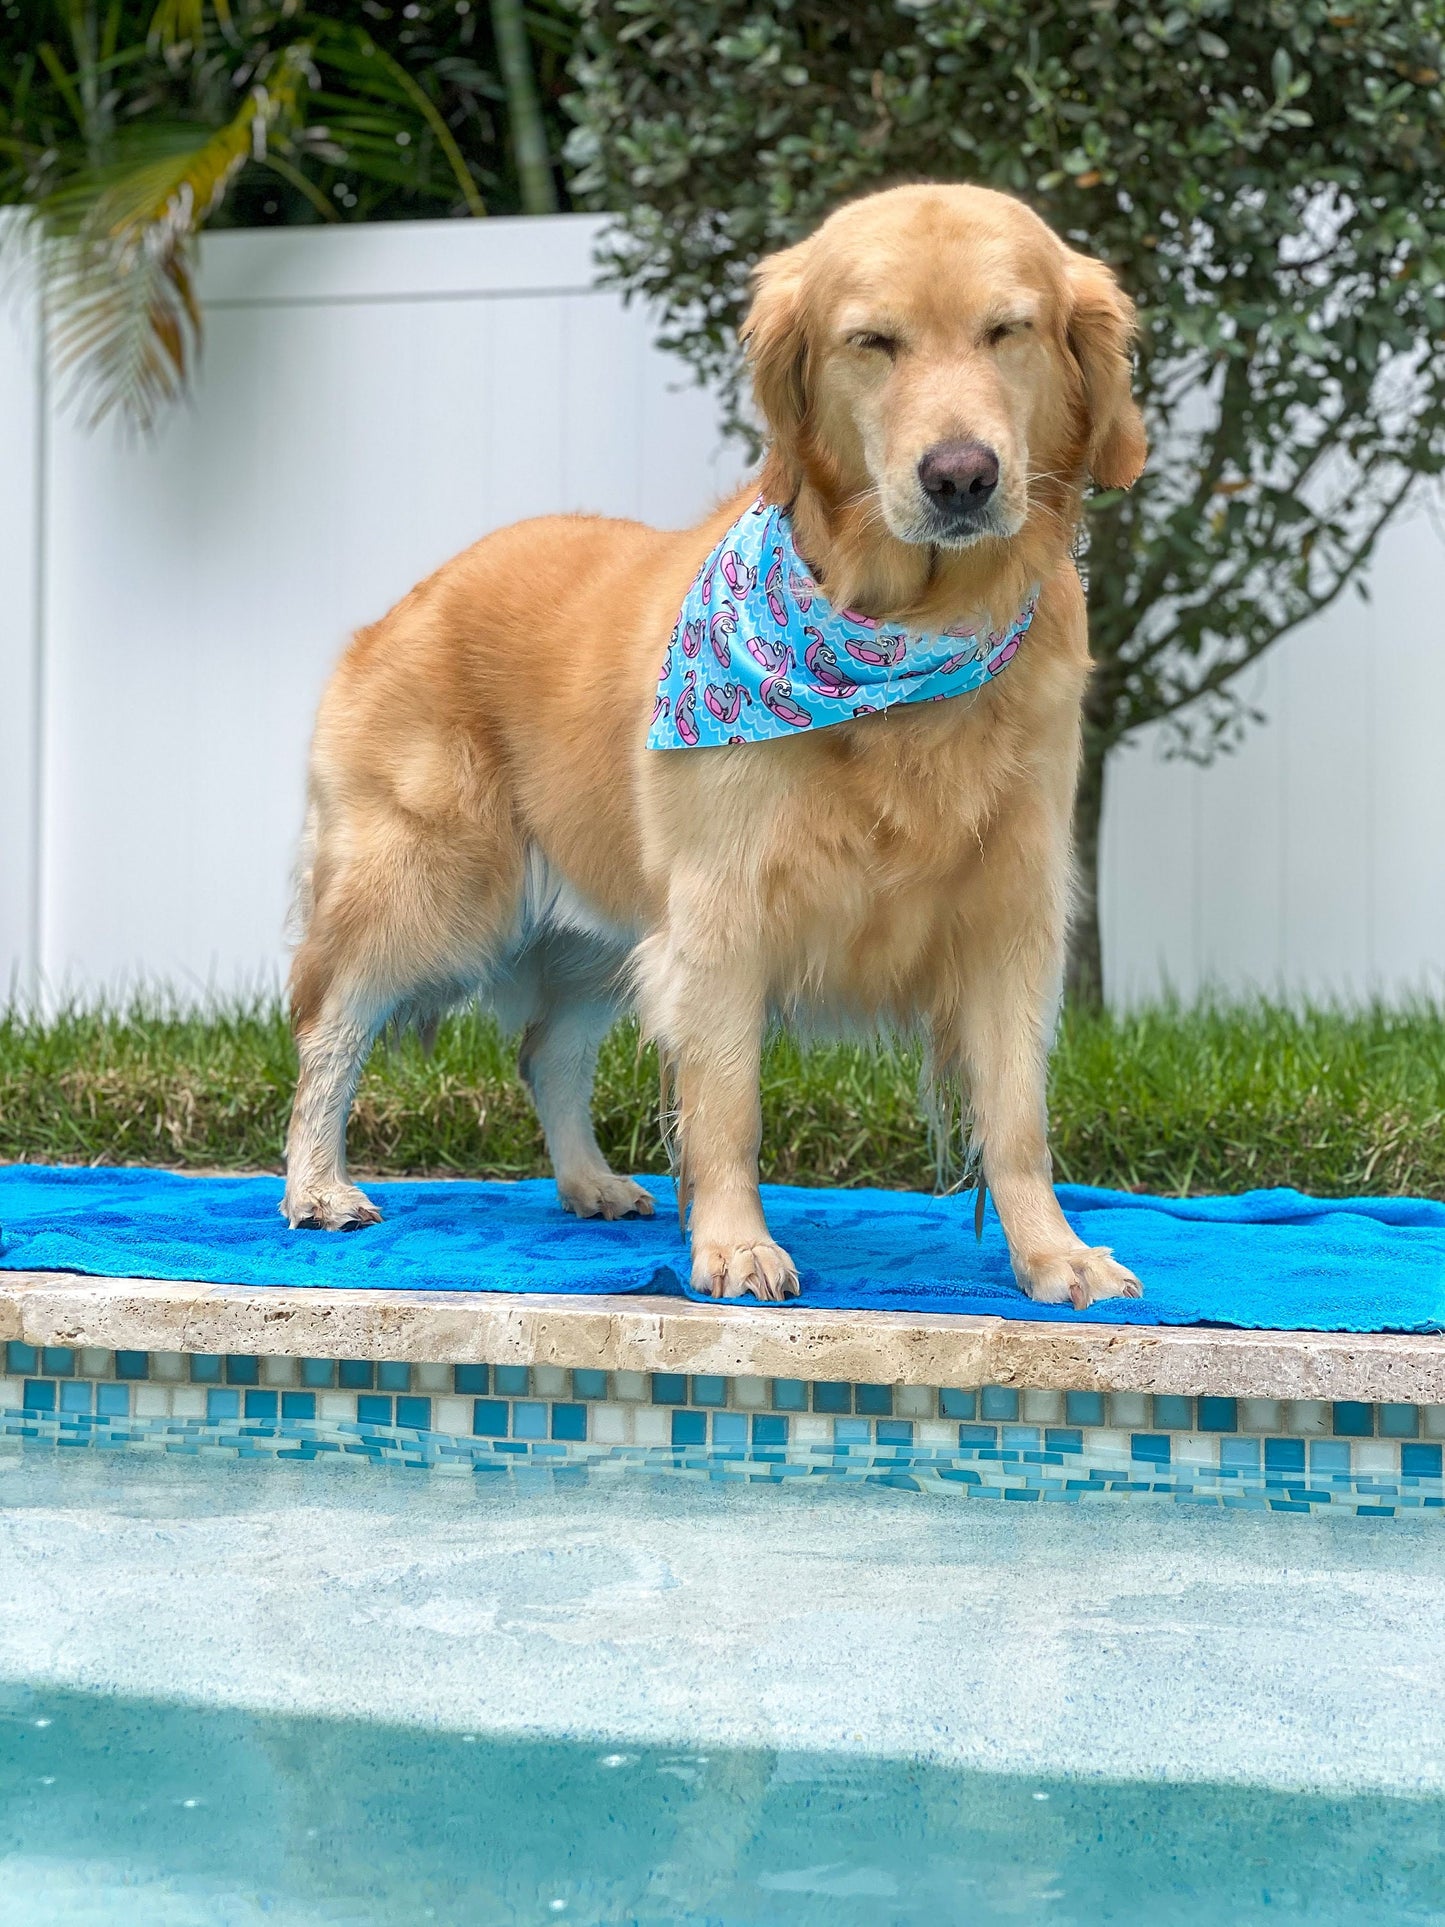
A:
(1263, 1260)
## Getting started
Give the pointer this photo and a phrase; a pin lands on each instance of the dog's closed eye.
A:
(999, 331)
(871, 341)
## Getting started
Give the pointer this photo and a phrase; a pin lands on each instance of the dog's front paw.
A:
(335, 1207)
(731, 1271)
(1077, 1277)
(602, 1194)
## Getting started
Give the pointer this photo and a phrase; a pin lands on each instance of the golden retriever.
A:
(939, 377)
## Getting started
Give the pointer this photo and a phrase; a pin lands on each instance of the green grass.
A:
(1215, 1098)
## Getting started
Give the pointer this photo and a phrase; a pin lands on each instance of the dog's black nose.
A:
(959, 477)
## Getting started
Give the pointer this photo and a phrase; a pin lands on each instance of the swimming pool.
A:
(325, 1693)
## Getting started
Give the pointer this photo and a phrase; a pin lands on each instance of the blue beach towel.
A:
(1262, 1260)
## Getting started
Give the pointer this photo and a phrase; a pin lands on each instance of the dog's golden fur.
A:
(484, 813)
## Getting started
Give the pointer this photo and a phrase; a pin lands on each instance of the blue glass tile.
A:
(529, 1420)
(393, 1376)
(1153, 1448)
(1396, 1421)
(688, 1428)
(112, 1401)
(1173, 1414)
(894, 1431)
(1060, 1439)
(75, 1396)
(709, 1391)
(297, 1405)
(874, 1400)
(20, 1359)
(511, 1381)
(985, 1435)
(355, 1374)
(1420, 1461)
(770, 1429)
(373, 1409)
(471, 1379)
(954, 1404)
(1239, 1455)
(57, 1361)
(205, 1368)
(731, 1428)
(852, 1431)
(1353, 1421)
(999, 1402)
(669, 1388)
(132, 1364)
(1329, 1457)
(262, 1406)
(38, 1396)
(241, 1368)
(1284, 1455)
(489, 1418)
(1084, 1408)
(414, 1413)
(832, 1397)
(317, 1372)
(222, 1404)
(1021, 1438)
(569, 1422)
(790, 1395)
(1218, 1415)
(589, 1384)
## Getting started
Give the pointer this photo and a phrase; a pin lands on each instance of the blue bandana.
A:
(759, 652)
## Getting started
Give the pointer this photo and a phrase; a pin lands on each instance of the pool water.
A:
(234, 1694)
(120, 1811)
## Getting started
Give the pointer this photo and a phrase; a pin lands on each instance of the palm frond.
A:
(117, 251)
(182, 23)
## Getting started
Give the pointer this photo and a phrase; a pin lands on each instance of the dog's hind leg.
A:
(575, 1006)
(405, 918)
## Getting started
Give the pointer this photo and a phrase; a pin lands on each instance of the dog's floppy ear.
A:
(777, 349)
(1101, 332)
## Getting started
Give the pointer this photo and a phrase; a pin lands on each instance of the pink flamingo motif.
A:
(691, 639)
(955, 663)
(828, 678)
(684, 717)
(858, 621)
(771, 656)
(660, 708)
(725, 700)
(720, 633)
(882, 652)
(773, 590)
(736, 573)
(865, 709)
(804, 588)
(1006, 654)
(948, 668)
(737, 739)
(777, 696)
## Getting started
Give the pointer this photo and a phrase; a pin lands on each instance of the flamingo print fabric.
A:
(759, 652)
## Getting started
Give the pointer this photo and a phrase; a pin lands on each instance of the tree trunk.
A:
(529, 130)
(1084, 975)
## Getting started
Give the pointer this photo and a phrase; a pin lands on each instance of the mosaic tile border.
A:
(987, 1441)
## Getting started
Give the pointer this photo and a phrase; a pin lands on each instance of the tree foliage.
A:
(1268, 177)
(126, 127)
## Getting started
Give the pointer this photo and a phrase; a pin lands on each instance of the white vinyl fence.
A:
(374, 398)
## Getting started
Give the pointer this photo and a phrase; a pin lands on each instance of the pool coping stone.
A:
(649, 1334)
